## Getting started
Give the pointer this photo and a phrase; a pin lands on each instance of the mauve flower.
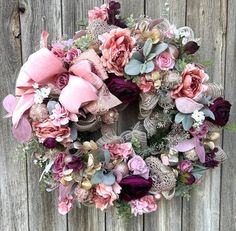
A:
(98, 13)
(62, 80)
(165, 61)
(116, 50)
(134, 187)
(65, 205)
(191, 47)
(71, 54)
(192, 83)
(48, 129)
(124, 90)
(104, 195)
(50, 143)
(58, 51)
(60, 116)
(82, 195)
(117, 151)
(146, 204)
(187, 178)
(58, 166)
(74, 162)
(185, 166)
(221, 110)
(199, 132)
(138, 166)
(145, 85)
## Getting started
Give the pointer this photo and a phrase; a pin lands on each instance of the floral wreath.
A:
(70, 89)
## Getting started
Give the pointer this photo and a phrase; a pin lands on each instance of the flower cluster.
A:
(74, 87)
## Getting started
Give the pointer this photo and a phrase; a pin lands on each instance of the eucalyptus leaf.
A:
(187, 122)
(73, 131)
(151, 56)
(147, 47)
(143, 68)
(51, 105)
(149, 66)
(179, 117)
(107, 156)
(97, 178)
(109, 179)
(138, 56)
(133, 67)
(159, 48)
(208, 113)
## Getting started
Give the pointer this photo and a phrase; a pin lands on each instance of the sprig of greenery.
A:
(123, 210)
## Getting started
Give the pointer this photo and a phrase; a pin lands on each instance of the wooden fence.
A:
(24, 207)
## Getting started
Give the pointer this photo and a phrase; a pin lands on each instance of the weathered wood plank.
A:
(228, 181)
(75, 11)
(13, 184)
(37, 16)
(208, 20)
(168, 215)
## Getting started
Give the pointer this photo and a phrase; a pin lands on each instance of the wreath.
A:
(71, 89)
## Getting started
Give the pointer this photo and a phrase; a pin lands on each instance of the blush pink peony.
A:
(104, 195)
(165, 61)
(98, 13)
(192, 83)
(143, 205)
(138, 166)
(116, 50)
(146, 86)
(65, 205)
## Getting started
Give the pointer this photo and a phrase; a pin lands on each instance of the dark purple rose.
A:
(187, 178)
(210, 161)
(191, 47)
(58, 166)
(221, 110)
(50, 142)
(113, 15)
(134, 187)
(62, 80)
(124, 90)
(74, 162)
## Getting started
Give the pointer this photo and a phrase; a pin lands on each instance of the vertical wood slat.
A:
(168, 215)
(73, 12)
(13, 183)
(208, 20)
(39, 16)
(228, 180)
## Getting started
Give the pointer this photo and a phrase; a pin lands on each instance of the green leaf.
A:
(142, 68)
(187, 122)
(138, 56)
(159, 48)
(147, 47)
(149, 66)
(97, 178)
(230, 127)
(107, 156)
(109, 179)
(133, 67)
(179, 118)
(208, 113)
(180, 65)
(151, 56)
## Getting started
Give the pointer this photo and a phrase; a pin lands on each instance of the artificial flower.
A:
(62, 80)
(98, 13)
(185, 166)
(165, 61)
(49, 143)
(138, 166)
(65, 205)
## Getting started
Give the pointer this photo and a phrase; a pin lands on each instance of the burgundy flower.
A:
(50, 142)
(187, 178)
(134, 187)
(113, 15)
(62, 80)
(58, 166)
(74, 162)
(191, 47)
(210, 161)
(124, 90)
(221, 110)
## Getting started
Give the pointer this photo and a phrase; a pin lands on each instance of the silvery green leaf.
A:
(151, 56)
(142, 68)
(133, 67)
(97, 178)
(51, 105)
(138, 56)
(73, 132)
(179, 118)
(159, 48)
(208, 113)
(107, 156)
(147, 47)
(187, 122)
(149, 66)
(109, 179)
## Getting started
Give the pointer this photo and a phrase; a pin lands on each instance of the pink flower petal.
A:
(185, 145)
(9, 104)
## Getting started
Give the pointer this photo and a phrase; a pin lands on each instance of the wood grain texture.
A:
(228, 180)
(168, 215)
(39, 16)
(13, 183)
(208, 19)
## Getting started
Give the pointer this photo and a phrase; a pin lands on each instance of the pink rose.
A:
(105, 195)
(58, 166)
(119, 150)
(116, 50)
(146, 204)
(71, 55)
(62, 80)
(138, 166)
(48, 129)
(192, 83)
(65, 205)
(145, 85)
(165, 61)
(98, 13)
(185, 166)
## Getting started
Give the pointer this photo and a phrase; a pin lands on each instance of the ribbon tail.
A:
(200, 150)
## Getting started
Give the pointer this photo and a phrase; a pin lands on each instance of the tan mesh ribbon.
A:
(91, 123)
